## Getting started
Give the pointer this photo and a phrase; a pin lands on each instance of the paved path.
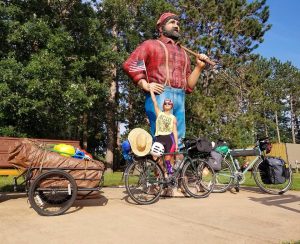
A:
(245, 217)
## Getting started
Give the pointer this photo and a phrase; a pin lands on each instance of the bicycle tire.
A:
(198, 178)
(274, 189)
(143, 181)
(224, 177)
(52, 193)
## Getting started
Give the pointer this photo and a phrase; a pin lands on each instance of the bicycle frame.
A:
(182, 161)
(251, 164)
(184, 153)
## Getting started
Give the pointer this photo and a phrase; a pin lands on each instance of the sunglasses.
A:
(168, 103)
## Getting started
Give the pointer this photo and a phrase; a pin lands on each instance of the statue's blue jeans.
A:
(178, 98)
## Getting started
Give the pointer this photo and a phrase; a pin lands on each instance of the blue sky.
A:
(282, 41)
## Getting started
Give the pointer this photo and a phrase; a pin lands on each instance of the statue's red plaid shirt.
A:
(152, 53)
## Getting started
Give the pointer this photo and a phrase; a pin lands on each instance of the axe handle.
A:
(197, 55)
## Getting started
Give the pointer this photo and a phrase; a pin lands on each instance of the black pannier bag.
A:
(200, 147)
(215, 160)
(203, 145)
(273, 171)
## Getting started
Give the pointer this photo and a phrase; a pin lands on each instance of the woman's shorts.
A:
(168, 141)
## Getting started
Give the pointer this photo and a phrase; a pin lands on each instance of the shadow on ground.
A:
(253, 189)
(5, 196)
(83, 203)
(280, 201)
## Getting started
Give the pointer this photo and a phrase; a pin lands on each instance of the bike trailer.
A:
(27, 154)
(274, 171)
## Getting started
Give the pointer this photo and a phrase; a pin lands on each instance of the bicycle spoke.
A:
(271, 188)
(52, 193)
(144, 185)
(224, 177)
(198, 178)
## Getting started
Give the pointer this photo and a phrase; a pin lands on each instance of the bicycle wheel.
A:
(198, 178)
(224, 177)
(274, 189)
(143, 181)
(52, 193)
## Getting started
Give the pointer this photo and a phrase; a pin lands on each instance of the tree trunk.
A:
(277, 127)
(84, 131)
(111, 113)
(130, 113)
(292, 120)
(265, 124)
(297, 125)
(111, 126)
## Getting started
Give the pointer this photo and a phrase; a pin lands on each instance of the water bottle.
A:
(237, 164)
(169, 167)
(245, 165)
(177, 163)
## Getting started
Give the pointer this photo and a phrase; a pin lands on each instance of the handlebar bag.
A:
(265, 145)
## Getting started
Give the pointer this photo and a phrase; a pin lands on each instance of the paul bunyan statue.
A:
(164, 65)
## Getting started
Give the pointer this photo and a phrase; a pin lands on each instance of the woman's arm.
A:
(157, 110)
(175, 133)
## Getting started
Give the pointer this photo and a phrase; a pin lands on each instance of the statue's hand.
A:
(155, 87)
(201, 60)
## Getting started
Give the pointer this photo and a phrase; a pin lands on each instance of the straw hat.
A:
(140, 141)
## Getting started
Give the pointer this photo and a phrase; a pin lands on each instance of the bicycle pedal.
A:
(165, 185)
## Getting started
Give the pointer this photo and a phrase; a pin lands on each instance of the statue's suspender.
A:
(184, 70)
(167, 81)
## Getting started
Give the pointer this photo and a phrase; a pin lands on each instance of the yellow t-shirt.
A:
(164, 124)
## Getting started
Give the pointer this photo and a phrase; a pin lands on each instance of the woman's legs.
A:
(169, 145)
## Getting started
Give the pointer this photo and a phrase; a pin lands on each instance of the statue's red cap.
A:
(163, 17)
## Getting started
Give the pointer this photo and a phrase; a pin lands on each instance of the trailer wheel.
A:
(52, 193)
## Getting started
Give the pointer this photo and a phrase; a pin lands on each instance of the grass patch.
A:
(110, 179)
(7, 184)
(295, 185)
(115, 179)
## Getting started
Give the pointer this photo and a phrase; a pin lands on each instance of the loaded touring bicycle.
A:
(145, 179)
(271, 174)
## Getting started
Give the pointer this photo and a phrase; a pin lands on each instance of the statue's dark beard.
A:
(171, 34)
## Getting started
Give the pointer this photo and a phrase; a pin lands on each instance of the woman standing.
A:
(166, 128)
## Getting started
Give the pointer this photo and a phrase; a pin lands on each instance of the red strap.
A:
(167, 81)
